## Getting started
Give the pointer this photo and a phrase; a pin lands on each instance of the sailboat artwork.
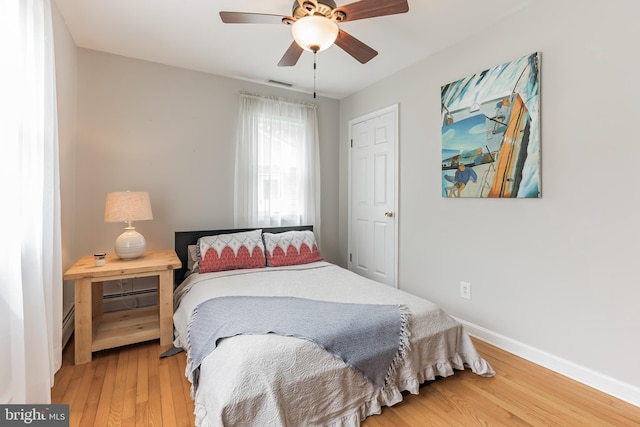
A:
(491, 132)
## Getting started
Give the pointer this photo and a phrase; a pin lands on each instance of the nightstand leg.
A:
(96, 304)
(165, 301)
(83, 322)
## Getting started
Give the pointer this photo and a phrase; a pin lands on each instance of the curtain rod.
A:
(279, 99)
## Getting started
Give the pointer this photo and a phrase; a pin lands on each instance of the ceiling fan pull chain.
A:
(314, 75)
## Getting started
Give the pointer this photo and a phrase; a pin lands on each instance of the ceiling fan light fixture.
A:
(314, 33)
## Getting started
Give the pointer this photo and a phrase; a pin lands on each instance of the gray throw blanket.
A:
(373, 339)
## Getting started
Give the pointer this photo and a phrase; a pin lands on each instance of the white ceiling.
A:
(189, 34)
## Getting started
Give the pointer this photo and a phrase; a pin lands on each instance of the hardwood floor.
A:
(132, 386)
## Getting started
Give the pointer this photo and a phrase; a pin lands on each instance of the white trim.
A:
(395, 108)
(597, 380)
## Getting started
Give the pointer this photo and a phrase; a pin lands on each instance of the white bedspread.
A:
(271, 380)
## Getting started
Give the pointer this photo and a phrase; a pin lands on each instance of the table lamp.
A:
(128, 206)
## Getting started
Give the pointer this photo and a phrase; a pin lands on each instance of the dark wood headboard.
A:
(185, 238)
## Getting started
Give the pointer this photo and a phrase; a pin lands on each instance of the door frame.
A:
(394, 108)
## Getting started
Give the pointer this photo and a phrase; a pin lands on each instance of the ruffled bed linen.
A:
(272, 380)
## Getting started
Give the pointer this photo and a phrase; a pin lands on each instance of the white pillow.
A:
(192, 258)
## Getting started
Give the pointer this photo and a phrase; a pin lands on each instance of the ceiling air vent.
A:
(279, 83)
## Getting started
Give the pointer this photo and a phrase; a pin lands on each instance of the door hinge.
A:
(352, 143)
(350, 257)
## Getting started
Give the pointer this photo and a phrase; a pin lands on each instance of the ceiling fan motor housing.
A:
(324, 8)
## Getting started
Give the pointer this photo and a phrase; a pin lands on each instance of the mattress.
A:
(274, 380)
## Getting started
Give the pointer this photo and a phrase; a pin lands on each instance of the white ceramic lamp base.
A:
(130, 244)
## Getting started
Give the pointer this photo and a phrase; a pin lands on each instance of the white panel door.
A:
(372, 196)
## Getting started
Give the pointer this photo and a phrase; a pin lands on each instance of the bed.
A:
(244, 377)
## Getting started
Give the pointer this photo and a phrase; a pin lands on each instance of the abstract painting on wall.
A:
(491, 132)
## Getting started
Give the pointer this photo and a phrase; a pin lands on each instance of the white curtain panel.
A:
(30, 250)
(277, 174)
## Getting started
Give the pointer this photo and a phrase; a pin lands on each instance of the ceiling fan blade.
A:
(291, 56)
(371, 8)
(355, 47)
(250, 18)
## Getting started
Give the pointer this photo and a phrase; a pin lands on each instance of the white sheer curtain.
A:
(277, 175)
(30, 250)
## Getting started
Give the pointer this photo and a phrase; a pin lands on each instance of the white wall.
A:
(558, 274)
(143, 126)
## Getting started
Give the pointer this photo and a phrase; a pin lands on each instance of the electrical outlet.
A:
(465, 290)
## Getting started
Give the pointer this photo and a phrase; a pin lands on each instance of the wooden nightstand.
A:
(96, 331)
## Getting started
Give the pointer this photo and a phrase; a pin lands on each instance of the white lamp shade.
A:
(130, 244)
(125, 206)
(314, 33)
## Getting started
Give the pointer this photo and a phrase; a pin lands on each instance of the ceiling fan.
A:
(314, 25)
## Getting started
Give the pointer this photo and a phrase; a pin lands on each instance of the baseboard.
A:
(129, 300)
(603, 383)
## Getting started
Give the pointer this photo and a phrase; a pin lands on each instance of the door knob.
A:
(388, 214)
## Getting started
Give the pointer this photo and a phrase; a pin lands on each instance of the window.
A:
(277, 168)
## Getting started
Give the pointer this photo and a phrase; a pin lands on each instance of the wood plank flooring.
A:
(132, 386)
